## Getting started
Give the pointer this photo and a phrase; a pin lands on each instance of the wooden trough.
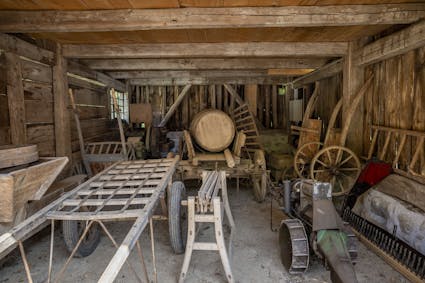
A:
(20, 184)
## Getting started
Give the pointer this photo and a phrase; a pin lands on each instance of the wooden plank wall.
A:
(397, 99)
(4, 108)
(269, 110)
(38, 100)
(92, 104)
(330, 91)
(38, 97)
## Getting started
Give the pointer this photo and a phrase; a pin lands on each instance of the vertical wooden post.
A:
(260, 104)
(286, 116)
(219, 94)
(226, 101)
(15, 99)
(274, 106)
(267, 105)
(211, 92)
(61, 102)
(353, 79)
(251, 98)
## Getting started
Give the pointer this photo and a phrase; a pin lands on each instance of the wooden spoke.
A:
(346, 160)
(336, 175)
(303, 157)
(328, 153)
(323, 164)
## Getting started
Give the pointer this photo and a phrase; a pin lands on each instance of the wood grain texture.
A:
(187, 50)
(200, 18)
(204, 63)
(395, 44)
(11, 156)
(15, 98)
(128, 4)
(61, 104)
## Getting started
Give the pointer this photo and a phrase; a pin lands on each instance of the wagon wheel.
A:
(259, 178)
(177, 217)
(337, 165)
(303, 157)
(72, 230)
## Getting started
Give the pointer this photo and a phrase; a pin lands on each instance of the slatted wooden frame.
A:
(399, 138)
(127, 190)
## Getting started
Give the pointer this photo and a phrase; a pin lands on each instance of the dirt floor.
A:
(256, 255)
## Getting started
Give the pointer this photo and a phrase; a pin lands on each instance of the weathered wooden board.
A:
(43, 137)
(19, 186)
(11, 155)
(398, 100)
(34, 71)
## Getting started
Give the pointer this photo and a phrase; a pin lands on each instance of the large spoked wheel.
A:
(177, 217)
(73, 230)
(337, 165)
(304, 156)
(260, 187)
(259, 179)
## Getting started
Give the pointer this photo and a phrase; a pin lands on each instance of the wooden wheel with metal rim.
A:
(337, 165)
(303, 157)
(259, 177)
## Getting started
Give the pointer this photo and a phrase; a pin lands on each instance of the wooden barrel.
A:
(213, 130)
(14, 155)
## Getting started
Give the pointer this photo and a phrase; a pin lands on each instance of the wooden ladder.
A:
(207, 208)
(245, 122)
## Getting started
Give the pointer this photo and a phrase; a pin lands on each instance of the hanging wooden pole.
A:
(118, 113)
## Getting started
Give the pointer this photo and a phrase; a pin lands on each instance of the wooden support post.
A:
(226, 101)
(353, 79)
(267, 105)
(211, 92)
(15, 99)
(177, 115)
(286, 119)
(260, 105)
(176, 104)
(251, 98)
(274, 106)
(61, 103)
(219, 94)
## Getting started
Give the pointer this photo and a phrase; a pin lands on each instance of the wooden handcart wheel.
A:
(259, 178)
(303, 157)
(337, 165)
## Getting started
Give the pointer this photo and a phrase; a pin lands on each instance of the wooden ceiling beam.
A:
(324, 72)
(202, 50)
(198, 18)
(395, 44)
(187, 74)
(209, 81)
(205, 63)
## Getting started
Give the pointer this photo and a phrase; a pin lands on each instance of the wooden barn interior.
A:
(282, 140)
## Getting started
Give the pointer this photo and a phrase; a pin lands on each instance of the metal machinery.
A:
(314, 224)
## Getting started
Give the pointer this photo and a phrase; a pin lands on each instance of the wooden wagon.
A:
(245, 160)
